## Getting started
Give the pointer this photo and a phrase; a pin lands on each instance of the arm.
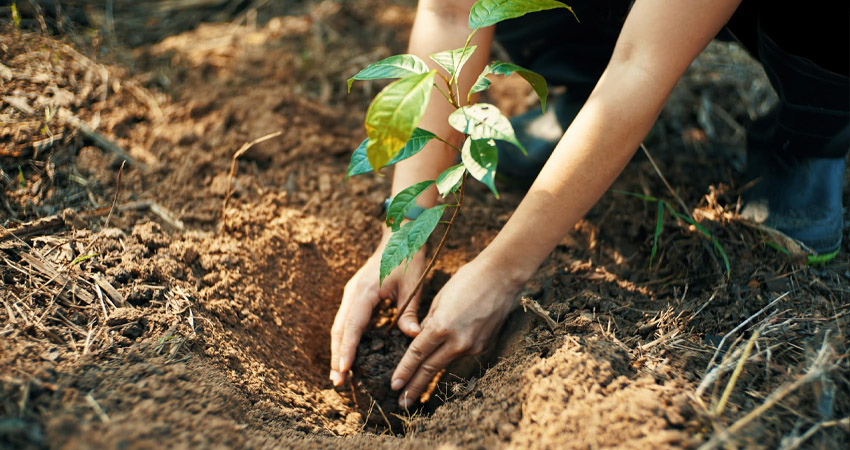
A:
(439, 25)
(659, 40)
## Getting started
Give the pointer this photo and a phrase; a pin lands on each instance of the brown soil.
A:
(152, 322)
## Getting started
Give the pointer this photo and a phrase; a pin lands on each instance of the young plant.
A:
(393, 134)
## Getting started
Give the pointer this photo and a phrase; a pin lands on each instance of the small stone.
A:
(505, 430)
(377, 344)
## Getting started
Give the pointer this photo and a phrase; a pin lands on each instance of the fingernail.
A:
(396, 384)
(336, 378)
(342, 366)
(415, 328)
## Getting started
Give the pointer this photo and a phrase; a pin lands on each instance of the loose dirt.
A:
(147, 322)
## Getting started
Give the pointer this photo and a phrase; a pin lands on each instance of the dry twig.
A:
(232, 173)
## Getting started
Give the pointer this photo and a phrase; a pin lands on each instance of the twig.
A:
(104, 142)
(814, 371)
(433, 260)
(232, 173)
(734, 379)
(117, 191)
(100, 413)
(742, 325)
(679, 200)
(33, 227)
(798, 441)
(529, 303)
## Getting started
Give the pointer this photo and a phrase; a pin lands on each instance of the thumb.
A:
(408, 322)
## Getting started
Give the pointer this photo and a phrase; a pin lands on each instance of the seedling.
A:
(659, 227)
(393, 134)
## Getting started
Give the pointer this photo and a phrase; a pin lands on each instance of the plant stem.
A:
(433, 260)
(447, 143)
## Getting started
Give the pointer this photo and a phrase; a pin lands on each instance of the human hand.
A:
(465, 315)
(360, 297)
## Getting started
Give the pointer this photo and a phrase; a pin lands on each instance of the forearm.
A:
(440, 25)
(658, 42)
(592, 153)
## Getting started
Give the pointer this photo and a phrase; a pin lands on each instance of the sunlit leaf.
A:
(490, 12)
(480, 157)
(537, 82)
(360, 162)
(393, 115)
(422, 227)
(403, 201)
(453, 60)
(484, 121)
(398, 66)
(395, 252)
(449, 180)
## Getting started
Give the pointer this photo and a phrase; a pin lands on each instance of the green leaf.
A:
(537, 82)
(422, 227)
(403, 201)
(398, 66)
(484, 121)
(453, 60)
(393, 115)
(449, 180)
(416, 143)
(395, 252)
(481, 158)
(21, 180)
(360, 162)
(490, 12)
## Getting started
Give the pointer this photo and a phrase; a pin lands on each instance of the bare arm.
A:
(659, 40)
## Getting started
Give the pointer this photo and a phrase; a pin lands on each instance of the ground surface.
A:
(164, 322)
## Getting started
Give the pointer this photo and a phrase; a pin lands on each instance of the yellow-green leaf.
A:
(453, 60)
(393, 115)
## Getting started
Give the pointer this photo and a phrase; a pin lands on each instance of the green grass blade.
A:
(659, 227)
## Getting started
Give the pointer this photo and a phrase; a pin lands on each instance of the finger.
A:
(337, 331)
(425, 374)
(356, 321)
(408, 322)
(419, 350)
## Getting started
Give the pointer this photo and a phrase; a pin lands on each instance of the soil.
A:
(139, 312)
(378, 354)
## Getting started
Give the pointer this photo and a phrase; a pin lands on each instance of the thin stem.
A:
(456, 75)
(443, 92)
(433, 260)
(447, 143)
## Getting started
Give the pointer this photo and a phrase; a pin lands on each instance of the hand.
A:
(360, 297)
(465, 315)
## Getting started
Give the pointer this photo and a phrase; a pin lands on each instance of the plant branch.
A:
(433, 260)
(443, 92)
(447, 143)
